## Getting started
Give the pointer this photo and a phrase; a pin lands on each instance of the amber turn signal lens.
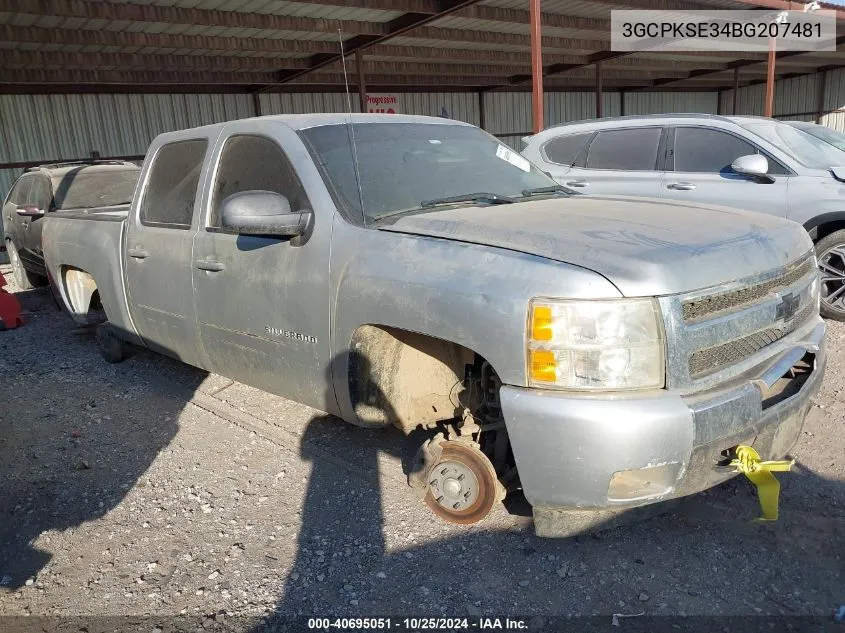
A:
(541, 323)
(543, 365)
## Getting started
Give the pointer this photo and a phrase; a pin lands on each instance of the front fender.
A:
(475, 296)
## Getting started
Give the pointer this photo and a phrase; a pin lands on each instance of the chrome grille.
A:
(708, 306)
(708, 360)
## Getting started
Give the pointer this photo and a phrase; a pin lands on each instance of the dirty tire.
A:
(830, 252)
(24, 279)
(464, 459)
(113, 349)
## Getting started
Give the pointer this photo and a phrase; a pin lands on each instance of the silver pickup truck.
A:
(598, 353)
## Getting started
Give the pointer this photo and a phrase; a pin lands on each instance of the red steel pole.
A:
(536, 65)
(770, 79)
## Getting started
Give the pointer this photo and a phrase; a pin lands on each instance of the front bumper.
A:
(568, 448)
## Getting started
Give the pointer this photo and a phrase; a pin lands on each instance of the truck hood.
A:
(645, 247)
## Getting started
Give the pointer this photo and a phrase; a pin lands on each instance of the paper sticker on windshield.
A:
(510, 156)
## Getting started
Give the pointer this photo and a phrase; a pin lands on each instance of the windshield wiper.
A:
(550, 189)
(482, 196)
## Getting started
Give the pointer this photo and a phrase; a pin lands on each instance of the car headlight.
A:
(593, 345)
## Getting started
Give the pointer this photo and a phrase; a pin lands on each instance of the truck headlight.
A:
(593, 345)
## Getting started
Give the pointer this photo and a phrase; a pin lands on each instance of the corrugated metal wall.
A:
(796, 98)
(44, 127)
(47, 127)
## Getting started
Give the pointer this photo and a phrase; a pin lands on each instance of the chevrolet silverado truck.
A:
(597, 353)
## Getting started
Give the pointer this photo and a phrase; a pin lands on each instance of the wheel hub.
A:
(453, 485)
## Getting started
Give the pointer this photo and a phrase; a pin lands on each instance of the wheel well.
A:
(826, 227)
(82, 295)
(404, 378)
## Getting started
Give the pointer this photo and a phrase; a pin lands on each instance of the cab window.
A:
(255, 163)
(172, 187)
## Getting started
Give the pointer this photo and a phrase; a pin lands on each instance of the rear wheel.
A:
(112, 348)
(830, 252)
(24, 279)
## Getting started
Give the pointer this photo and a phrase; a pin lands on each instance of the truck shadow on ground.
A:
(704, 554)
(76, 453)
(68, 456)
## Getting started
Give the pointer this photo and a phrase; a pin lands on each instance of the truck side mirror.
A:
(262, 213)
(754, 165)
(29, 211)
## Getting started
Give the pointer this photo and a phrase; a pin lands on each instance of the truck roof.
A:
(305, 121)
(55, 170)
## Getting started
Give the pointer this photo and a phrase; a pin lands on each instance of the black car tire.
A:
(113, 348)
(24, 279)
(830, 252)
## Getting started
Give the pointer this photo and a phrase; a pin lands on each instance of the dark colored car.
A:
(47, 188)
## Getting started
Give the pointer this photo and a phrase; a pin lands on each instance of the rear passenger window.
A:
(625, 150)
(255, 163)
(172, 187)
(704, 150)
(563, 150)
(20, 192)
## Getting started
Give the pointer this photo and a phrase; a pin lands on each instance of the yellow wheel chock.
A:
(748, 462)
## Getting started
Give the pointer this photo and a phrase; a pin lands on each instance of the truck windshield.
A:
(807, 150)
(403, 165)
(89, 187)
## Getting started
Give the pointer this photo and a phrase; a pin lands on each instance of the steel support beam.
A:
(362, 86)
(735, 109)
(770, 80)
(538, 116)
(599, 95)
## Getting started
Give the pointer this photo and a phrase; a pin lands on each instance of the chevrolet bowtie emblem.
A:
(787, 307)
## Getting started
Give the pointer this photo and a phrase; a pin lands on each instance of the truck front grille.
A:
(711, 359)
(717, 333)
(712, 305)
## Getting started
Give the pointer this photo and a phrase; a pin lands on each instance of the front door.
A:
(157, 255)
(699, 170)
(262, 303)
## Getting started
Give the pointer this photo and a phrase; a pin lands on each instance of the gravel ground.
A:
(151, 487)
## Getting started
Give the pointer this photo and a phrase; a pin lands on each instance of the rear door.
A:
(699, 170)
(41, 197)
(625, 161)
(262, 303)
(157, 251)
(12, 222)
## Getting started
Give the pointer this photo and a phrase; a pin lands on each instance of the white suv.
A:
(746, 162)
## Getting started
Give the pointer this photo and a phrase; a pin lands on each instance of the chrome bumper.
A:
(568, 448)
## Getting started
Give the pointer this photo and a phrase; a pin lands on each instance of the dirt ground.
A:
(151, 487)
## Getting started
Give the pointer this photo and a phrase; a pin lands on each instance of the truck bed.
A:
(83, 251)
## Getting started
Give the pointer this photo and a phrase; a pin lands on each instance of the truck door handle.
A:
(138, 253)
(681, 186)
(213, 267)
(577, 183)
